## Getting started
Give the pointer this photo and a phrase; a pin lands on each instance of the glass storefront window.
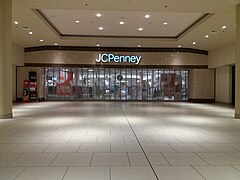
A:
(126, 84)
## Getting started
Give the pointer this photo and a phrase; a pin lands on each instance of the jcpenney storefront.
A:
(74, 73)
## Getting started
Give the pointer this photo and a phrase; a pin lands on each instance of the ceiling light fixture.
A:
(179, 46)
(30, 32)
(100, 28)
(147, 16)
(41, 40)
(139, 45)
(165, 23)
(16, 22)
(98, 15)
(77, 21)
(194, 42)
(55, 44)
(224, 27)
(207, 36)
(140, 29)
(122, 23)
(98, 45)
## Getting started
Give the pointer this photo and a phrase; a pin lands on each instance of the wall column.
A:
(237, 100)
(5, 59)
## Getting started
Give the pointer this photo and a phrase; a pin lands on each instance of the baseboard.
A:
(202, 100)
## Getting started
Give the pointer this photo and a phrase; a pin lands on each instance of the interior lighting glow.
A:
(98, 15)
(147, 16)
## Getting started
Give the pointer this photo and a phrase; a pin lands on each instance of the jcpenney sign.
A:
(107, 58)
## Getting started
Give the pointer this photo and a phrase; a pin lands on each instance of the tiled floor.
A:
(120, 141)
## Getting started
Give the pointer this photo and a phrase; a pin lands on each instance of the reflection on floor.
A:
(120, 141)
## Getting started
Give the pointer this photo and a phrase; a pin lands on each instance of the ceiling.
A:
(188, 21)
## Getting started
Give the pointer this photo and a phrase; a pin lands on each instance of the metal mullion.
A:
(126, 89)
(131, 85)
(136, 91)
(142, 84)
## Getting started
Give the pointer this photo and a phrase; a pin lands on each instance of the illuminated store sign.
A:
(107, 58)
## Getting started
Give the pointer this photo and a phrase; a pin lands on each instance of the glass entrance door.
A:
(123, 84)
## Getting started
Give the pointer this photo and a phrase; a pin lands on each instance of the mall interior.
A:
(119, 90)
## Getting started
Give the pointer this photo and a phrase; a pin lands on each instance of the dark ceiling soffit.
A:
(45, 19)
(114, 49)
(117, 66)
(55, 29)
(200, 20)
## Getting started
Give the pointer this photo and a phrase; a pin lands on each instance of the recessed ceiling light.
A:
(41, 40)
(16, 22)
(100, 28)
(30, 32)
(98, 15)
(139, 45)
(147, 16)
(207, 36)
(55, 44)
(165, 23)
(224, 27)
(194, 42)
(98, 45)
(179, 46)
(77, 21)
(140, 29)
(122, 22)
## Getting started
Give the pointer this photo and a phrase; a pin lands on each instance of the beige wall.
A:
(18, 60)
(88, 57)
(223, 84)
(23, 74)
(201, 84)
(222, 56)
(18, 55)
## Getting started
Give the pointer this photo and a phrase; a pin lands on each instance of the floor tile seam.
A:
(44, 151)
(151, 166)
(203, 148)
(235, 168)
(9, 152)
(198, 172)
(50, 164)
(229, 153)
(9, 165)
(236, 150)
(65, 173)
(172, 147)
(20, 173)
(90, 163)
(232, 147)
(80, 144)
(128, 159)
(110, 172)
(202, 158)
(166, 159)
